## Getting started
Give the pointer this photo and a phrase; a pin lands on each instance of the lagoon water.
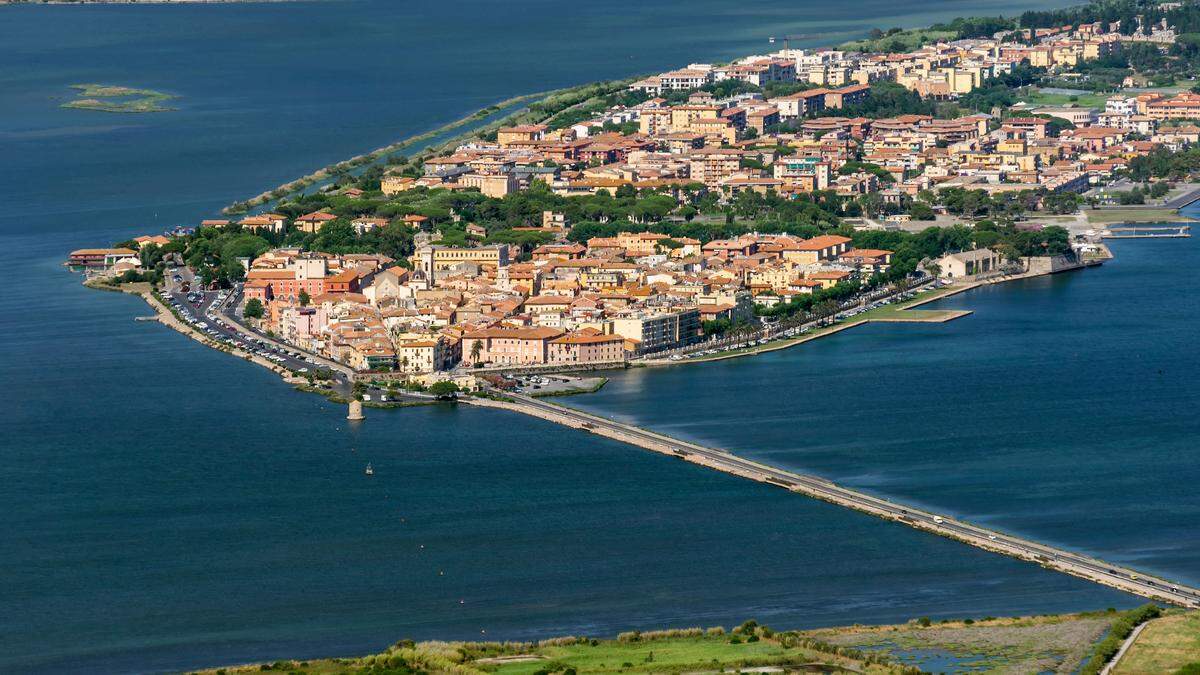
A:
(167, 507)
(1063, 408)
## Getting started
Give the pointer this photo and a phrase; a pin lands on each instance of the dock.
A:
(1147, 232)
(1068, 562)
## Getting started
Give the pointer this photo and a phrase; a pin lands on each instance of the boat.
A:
(370, 471)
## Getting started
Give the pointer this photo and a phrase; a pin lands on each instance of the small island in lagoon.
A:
(112, 98)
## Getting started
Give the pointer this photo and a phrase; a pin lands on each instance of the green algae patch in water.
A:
(112, 98)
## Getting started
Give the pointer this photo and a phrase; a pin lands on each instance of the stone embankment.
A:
(165, 316)
(1061, 560)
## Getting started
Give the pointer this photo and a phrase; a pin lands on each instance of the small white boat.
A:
(370, 471)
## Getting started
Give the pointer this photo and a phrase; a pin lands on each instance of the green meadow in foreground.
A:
(1069, 643)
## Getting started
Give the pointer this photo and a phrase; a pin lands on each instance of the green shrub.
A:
(1121, 628)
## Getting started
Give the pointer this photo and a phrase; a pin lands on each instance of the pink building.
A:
(586, 347)
(508, 346)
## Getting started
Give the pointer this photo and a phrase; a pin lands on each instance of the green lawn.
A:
(903, 311)
(1117, 215)
(1164, 646)
(1057, 644)
(1036, 96)
(669, 655)
(644, 655)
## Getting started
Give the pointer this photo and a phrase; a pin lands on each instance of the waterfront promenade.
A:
(1050, 557)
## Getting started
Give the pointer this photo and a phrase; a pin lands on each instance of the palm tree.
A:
(825, 309)
(476, 350)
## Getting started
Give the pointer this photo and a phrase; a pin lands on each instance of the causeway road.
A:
(1068, 562)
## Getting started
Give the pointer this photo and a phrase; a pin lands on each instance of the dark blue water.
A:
(1063, 408)
(167, 507)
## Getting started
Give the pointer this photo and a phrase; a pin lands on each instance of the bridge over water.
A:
(1082, 566)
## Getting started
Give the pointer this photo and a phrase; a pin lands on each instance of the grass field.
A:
(666, 655)
(1036, 96)
(1044, 644)
(713, 651)
(903, 311)
(1111, 216)
(1164, 646)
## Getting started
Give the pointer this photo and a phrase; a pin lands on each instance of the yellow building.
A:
(491, 185)
(817, 249)
(525, 133)
(434, 259)
(394, 185)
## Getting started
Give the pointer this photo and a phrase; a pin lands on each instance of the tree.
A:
(921, 211)
(872, 203)
(444, 390)
(826, 309)
(254, 309)
(476, 350)
(716, 326)
(305, 298)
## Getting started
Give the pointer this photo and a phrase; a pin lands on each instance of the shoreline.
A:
(369, 157)
(854, 648)
(825, 331)
(164, 315)
(491, 117)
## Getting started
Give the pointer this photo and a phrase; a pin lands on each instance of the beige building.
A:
(969, 263)
(434, 259)
(424, 355)
(711, 167)
(394, 185)
(495, 185)
(526, 133)
(817, 249)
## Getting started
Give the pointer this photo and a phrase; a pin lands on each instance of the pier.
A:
(1061, 560)
(1147, 232)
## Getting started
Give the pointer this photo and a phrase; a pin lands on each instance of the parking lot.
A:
(205, 311)
(553, 385)
(212, 313)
